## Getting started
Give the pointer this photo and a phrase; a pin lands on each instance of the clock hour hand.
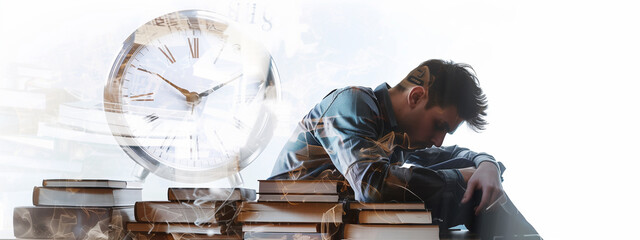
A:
(192, 97)
(213, 89)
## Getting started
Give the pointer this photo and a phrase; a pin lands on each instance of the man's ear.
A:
(416, 95)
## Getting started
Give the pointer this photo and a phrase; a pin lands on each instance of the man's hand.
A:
(467, 173)
(487, 179)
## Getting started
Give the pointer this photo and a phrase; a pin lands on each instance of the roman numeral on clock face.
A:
(168, 54)
(142, 97)
(194, 47)
(151, 117)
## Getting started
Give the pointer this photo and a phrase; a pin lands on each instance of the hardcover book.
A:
(282, 236)
(36, 222)
(330, 187)
(291, 212)
(211, 194)
(387, 206)
(182, 236)
(86, 197)
(385, 232)
(281, 227)
(159, 227)
(90, 183)
(184, 212)
(298, 198)
(394, 217)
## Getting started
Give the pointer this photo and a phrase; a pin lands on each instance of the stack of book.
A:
(369, 221)
(77, 209)
(301, 209)
(191, 213)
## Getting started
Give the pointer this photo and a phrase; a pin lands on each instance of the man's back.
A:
(341, 115)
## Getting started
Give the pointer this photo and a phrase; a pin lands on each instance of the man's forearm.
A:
(381, 182)
(431, 156)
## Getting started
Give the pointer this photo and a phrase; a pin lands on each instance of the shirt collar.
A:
(382, 93)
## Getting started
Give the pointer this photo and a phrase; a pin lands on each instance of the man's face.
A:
(428, 127)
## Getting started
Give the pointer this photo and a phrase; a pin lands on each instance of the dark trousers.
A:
(502, 221)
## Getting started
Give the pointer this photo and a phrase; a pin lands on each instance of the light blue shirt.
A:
(352, 135)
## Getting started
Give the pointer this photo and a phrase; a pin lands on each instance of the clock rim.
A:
(247, 154)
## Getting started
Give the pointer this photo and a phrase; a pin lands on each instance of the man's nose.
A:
(438, 138)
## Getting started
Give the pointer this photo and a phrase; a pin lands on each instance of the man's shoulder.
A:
(356, 93)
(351, 101)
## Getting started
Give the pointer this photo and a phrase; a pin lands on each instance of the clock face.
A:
(188, 97)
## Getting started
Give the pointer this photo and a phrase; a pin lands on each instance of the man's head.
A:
(436, 97)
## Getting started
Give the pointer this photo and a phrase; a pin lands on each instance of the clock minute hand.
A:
(213, 89)
(182, 90)
(192, 97)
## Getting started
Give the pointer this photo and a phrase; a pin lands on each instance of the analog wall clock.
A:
(188, 96)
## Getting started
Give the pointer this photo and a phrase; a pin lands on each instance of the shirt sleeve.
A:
(346, 124)
(432, 156)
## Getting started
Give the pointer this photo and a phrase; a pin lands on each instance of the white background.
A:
(561, 79)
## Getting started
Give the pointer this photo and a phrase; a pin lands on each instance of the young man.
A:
(386, 143)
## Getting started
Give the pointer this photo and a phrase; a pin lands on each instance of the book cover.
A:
(211, 194)
(298, 198)
(182, 236)
(394, 217)
(159, 227)
(91, 183)
(291, 212)
(330, 187)
(387, 206)
(283, 236)
(185, 212)
(385, 232)
(281, 227)
(68, 222)
(86, 197)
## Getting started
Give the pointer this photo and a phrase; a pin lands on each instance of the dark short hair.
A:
(455, 84)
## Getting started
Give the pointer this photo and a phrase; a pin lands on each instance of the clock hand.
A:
(213, 89)
(192, 97)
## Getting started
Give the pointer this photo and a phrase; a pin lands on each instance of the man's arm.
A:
(347, 125)
(431, 156)
(487, 176)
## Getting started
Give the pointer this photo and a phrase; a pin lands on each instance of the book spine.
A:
(35, 196)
